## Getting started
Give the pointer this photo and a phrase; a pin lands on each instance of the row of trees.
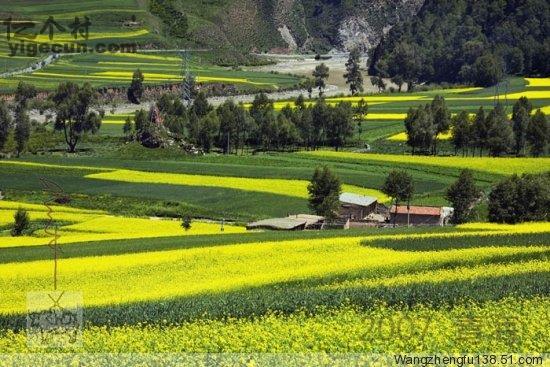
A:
(493, 132)
(230, 127)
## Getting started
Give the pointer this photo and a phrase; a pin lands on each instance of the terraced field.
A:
(78, 225)
(115, 69)
(243, 187)
(301, 292)
(108, 28)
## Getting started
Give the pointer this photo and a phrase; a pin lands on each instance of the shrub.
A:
(21, 222)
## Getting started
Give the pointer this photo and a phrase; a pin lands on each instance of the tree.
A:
(321, 74)
(420, 128)
(308, 84)
(209, 127)
(461, 131)
(135, 91)
(379, 83)
(73, 116)
(520, 119)
(324, 193)
(321, 119)
(353, 75)
(22, 130)
(500, 137)
(405, 64)
(23, 93)
(520, 199)
(186, 222)
(400, 187)
(228, 114)
(441, 119)
(360, 111)
(128, 129)
(487, 71)
(21, 222)
(340, 128)
(462, 195)
(201, 107)
(480, 129)
(5, 123)
(537, 133)
(300, 102)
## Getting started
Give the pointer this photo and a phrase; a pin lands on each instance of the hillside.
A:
(264, 25)
(467, 41)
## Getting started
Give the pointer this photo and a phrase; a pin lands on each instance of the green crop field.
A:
(266, 185)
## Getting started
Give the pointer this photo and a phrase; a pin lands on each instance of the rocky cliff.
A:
(288, 25)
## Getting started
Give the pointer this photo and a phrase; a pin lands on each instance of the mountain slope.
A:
(320, 25)
(468, 41)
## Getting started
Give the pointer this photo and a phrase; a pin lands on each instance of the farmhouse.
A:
(356, 207)
(420, 215)
(297, 222)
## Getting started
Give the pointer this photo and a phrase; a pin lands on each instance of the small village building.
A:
(356, 207)
(297, 222)
(420, 215)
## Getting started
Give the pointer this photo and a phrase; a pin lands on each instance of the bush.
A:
(21, 222)
(520, 199)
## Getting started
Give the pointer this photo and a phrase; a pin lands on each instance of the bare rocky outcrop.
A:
(373, 20)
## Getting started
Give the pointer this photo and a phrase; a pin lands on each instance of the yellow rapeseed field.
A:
(77, 225)
(180, 273)
(296, 188)
(503, 166)
(538, 82)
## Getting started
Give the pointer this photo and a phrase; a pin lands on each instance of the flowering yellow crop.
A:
(159, 275)
(66, 37)
(531, 94)
(90, 226)
(296, 188)
(127, 75)
(538, 82)
(504, 166)
(401, 137)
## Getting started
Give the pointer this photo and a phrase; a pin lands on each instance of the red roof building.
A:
(418, 215)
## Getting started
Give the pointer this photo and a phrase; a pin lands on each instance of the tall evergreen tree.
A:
(353, 75)
(520, 119)
(135, 91)
(5, 123)
(399, 186)
(441, 119)
(479, 131)
(500, 137)
(341, 125)
(324, 193)
(462, 195)
(461, 132)
(321, 74)
(538, 133)
(22, 130)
